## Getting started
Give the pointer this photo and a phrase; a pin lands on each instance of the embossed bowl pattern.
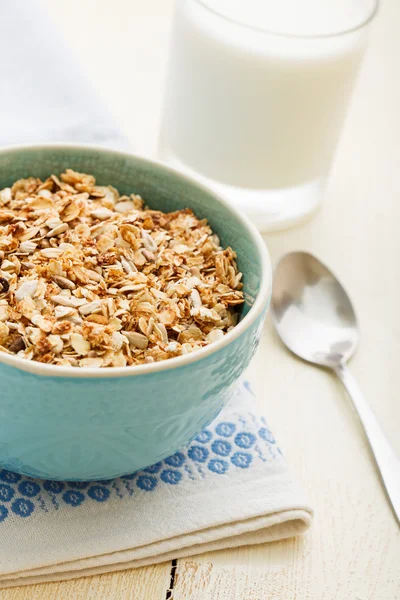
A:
(85, 424)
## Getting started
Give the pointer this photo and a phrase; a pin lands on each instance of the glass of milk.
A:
(256, 96)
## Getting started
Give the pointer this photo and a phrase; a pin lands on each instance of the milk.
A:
(253, 110)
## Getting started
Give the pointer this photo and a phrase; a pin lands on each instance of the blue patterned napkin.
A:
(229, 487)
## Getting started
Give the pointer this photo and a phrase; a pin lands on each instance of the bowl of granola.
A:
(131, 300)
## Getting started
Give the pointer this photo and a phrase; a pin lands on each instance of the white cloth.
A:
(229, 487)
(44, 95)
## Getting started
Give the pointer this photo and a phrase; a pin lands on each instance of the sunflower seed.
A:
(90, 307)
(57, 230)
(65, 301)
(64, 283)
(136, 340)
(51, 252)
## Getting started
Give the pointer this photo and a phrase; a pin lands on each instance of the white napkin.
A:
(44, 95)
(229, 487)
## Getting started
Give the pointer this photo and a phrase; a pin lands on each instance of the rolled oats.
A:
(89, 278)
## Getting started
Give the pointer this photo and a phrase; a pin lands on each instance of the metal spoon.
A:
(314, 317)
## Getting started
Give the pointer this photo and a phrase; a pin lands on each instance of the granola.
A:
(89, 278)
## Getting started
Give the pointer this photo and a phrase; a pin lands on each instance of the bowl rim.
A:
(255, 311)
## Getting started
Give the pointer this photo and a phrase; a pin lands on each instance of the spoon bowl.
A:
(312, 312)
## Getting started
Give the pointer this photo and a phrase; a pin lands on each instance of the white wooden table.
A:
(353, 549)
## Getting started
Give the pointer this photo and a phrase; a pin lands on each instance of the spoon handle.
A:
(386, 460)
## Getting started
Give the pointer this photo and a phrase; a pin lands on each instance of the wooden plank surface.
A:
(135, 584)
(353, 549)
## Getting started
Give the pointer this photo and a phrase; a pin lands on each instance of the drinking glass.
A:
(256, 95)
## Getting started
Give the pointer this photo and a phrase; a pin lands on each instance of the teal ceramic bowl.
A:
(82, 424)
